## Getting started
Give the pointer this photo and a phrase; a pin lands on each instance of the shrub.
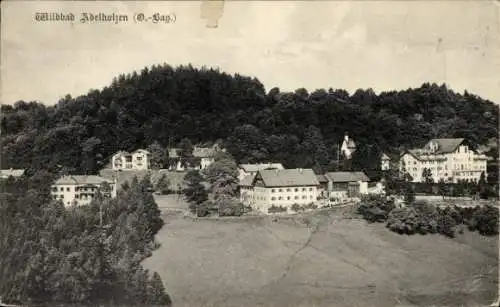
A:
(403, 220)
(375, 208)
(446, 225)
(427, 217)
(230, 207)
(486, 220)
(311, 206)
(275, 209)
(203, 209)
(296, 207)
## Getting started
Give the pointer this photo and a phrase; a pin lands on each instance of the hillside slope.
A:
(298, 129)
(333, 262)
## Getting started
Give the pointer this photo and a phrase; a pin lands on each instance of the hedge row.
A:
(424, 218)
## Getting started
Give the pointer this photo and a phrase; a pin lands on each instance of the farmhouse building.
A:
(252, 169)
(280, 188)
(444, 159)
(79, 190)
(137, 160)
(342, 185)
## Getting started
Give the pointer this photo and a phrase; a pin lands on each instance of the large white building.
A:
(252, 169)
(137, 160)
(79, 189)
(280, 188)
(447, 159)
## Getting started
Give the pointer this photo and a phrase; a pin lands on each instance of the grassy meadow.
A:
(318, 259)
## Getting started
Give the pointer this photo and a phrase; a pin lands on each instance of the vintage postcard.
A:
(234, 153)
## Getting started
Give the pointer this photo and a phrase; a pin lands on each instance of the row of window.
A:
(283, 197)
(289, 190)
(84, 196)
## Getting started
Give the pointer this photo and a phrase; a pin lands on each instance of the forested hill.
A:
(299, 129)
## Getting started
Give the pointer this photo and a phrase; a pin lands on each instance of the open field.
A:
(321, 259)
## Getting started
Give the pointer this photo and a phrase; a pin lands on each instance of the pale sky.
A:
(384, 45)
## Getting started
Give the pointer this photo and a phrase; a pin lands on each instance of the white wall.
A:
(67, 193)
(459, 165)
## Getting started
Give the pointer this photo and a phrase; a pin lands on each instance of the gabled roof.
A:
(347, 176)
(385, 156)
(120, 153)
(11, 172)
(141, 151)
(81, 179)
(349, 144)
(321, 178)
(445, 145)
(287, 177)
(126, 153)
(249, 168)
(247, 181)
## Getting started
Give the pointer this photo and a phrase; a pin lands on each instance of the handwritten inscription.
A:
(110, 18)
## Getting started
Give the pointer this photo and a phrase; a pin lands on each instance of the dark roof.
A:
(374, 175)
(322, 178)
(346, 176)
(81, 180)
(260, 166)
(288, 177)
(445, 145)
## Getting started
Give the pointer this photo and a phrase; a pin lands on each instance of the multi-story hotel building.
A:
(79, 190)
(447, 159)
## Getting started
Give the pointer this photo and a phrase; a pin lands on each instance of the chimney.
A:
(300, 170)
(346, 137)
(277, 171)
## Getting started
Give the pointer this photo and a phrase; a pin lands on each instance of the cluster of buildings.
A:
(270, 184)
(266, 185)
(80, 189)
(141, 159)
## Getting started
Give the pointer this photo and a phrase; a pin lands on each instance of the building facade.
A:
(280, 188)
(251, 169)
(342, 185)
(79, 190)
(137, 160)
(385, 162)
(450, 160)
(205, 155)
(348, 147)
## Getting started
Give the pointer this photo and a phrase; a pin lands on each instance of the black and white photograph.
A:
(232, 153)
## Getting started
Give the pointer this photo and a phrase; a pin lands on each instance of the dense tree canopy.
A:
(299, 129)
(53, 254)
